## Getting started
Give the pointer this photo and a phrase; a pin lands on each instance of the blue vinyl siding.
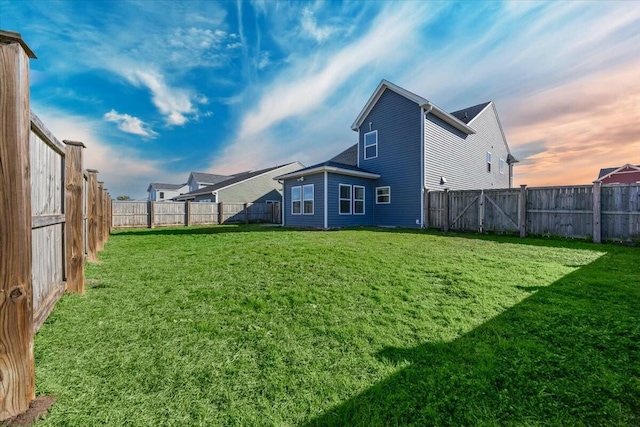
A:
(315, 220)
(337, 220)
(398, 121)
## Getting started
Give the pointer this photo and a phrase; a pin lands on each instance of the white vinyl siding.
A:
(501, 166)
(371, 145)
(383, 195)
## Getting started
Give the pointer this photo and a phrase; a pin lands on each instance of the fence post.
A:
(17, 377)
(92, 214)
(105, 209)
(74, 230)
(100, 218)
(152, 214)
(522, 212)
(597, 218)
(220, 213)
(447, 213)
(246, 213)
(481, 211)
(188, 213)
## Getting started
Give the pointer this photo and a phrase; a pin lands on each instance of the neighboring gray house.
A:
(244, 187)
(198, 180)
(406, 146)
(159, 192)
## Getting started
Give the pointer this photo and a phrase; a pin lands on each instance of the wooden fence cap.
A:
(75, 143)
(8, 37)
(92, 171)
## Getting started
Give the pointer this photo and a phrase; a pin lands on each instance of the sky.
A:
(158, 89)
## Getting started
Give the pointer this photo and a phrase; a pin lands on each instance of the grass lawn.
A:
(248, 325)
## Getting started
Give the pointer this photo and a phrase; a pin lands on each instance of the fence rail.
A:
(128, 214)
(609, 212)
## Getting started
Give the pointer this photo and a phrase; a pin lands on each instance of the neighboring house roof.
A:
(468, 114)
(160, 186)
(330, 166)
(348, 156)
(606, 172)
(209, 178)
(422, 102)
(233, 179)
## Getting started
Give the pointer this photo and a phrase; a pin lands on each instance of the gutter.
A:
(448, 118)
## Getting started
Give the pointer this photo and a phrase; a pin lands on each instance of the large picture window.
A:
(383, 195)
(345, 199)
(371, 145)
(307, 199)
(296, 200)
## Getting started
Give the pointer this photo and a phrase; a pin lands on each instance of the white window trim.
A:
(294, 200)
(501, 166)
(340, 199)
(364, 145)
(383, 203)
(313, 201)
(364, 204)
(489, 162)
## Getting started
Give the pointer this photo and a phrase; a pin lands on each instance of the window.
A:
(358, 200)
(345, 199)
(501, 166)
(162, 194)
(296, 200)
(383, 195)
(371, 145)
(488, 161)
(307, 197)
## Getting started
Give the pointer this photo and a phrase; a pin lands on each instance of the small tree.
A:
(123, 198)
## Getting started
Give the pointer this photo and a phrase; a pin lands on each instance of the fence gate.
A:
(465, 210)
(500, 210)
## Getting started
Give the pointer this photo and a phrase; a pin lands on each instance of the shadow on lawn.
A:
(216, 229)
(567, 354)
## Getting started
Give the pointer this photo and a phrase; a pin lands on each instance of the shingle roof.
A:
(348, 156)
(160, 186)
(467, 114)
(233, 179)
(209, 178)
(607, 171)
(335, 167)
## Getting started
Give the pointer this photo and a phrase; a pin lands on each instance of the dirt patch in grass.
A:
(38, 408)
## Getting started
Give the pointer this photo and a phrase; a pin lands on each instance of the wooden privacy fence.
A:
(127, 214)
(52, 218)
(609, 212)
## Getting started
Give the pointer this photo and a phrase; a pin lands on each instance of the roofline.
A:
(193, 195)
(628, 165)
(448, 118)
(482, 111)
(325, 168)
(373, 99)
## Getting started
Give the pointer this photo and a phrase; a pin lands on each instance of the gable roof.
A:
(160, 186)
(347, 157)
(606, 172)
(330, 166)
(209, 178)
(422, 102)
(468, 114)
(234, 179)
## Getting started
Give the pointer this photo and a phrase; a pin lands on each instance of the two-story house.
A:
(159, 192)
(406, 146)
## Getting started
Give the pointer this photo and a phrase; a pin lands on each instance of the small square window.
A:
(162, 194)
(383, 195)
(501, 166)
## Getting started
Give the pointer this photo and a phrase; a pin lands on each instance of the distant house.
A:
(406, 146)
(159, 192)
(251, 186)
(198, 180)
(627, 174)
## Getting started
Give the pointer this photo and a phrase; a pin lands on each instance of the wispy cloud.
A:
(310, 27)
(130, 124)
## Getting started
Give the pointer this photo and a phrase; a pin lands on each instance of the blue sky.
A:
(159, 89)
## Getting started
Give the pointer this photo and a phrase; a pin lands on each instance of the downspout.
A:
(326, 197)
(282, 211)
(423, 118)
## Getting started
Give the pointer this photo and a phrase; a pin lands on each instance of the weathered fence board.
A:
(560, 211)
(620, 210)
(464, 208)
(128, 214)
(501, 211)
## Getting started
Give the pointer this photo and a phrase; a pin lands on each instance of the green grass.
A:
(264, 326)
